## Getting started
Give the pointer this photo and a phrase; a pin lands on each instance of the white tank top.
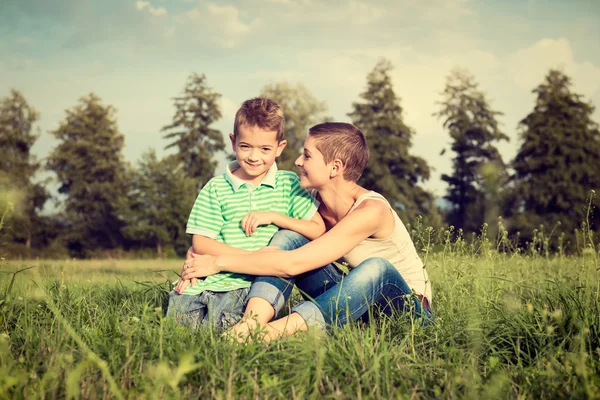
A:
(398, 249)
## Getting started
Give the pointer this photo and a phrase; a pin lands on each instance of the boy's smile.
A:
(255, 151)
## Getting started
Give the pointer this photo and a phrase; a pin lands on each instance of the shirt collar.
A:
(236, 183)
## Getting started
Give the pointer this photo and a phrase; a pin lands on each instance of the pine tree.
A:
(92, 174)
(196, 141)
(19, 166)
(161, 200)
(302, 110)
(392, 170)
(556, 166)
(478, 169)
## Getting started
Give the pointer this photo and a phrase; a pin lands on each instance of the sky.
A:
(137, 55)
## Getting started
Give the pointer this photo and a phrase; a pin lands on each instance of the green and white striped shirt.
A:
(226, 199)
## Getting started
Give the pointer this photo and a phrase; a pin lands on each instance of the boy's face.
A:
(314, 172)
(255, 150)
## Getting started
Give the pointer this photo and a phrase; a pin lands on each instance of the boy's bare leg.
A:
(257, 315)
(285, 326)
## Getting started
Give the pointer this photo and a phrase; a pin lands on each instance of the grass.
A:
(507, 326)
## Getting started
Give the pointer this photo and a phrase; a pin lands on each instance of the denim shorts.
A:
(208, 309)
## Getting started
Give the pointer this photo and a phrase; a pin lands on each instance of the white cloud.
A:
(230, 15)
(214, 25)
(142, 5)
(158, 11)
(529, 66)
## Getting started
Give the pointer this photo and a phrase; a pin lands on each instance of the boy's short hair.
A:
(345, 142)
(261, 112)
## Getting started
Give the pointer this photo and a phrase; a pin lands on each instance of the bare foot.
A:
(247, 329)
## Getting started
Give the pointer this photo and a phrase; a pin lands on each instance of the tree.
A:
(92, 174)
(556, 166)
(19, 166)
(160, 203)
(195, 111)
(302, 110)
(478, 169)
(392, 170)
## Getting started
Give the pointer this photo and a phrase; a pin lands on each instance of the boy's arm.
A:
(205, 245)
(311, 229)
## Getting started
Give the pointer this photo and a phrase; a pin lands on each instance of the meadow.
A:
(520, 325)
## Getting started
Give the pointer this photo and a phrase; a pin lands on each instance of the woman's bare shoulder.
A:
(374, 207)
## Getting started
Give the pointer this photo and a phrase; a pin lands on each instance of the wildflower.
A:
(530, 308)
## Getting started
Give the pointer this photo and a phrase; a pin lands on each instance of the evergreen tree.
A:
(392, 170)
(302, 111)
(19, 166)
(159, 205)
(478, 169)
(556, 166)
(89, 165)
(196, 141)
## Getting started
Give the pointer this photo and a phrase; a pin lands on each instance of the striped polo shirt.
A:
(226, 199)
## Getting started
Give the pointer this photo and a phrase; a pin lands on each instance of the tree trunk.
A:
(159, 251)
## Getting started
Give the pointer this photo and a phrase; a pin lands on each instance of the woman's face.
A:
(314, 173)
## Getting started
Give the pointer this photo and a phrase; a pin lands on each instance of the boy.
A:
(239, 212)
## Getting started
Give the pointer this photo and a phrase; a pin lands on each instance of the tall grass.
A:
(508, 325)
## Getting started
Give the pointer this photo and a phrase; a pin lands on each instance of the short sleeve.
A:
(206, 218)
(301, 204)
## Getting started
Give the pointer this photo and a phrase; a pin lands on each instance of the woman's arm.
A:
(360, 224)
(311, 229)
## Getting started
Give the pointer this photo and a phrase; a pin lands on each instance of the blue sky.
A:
(136, 55)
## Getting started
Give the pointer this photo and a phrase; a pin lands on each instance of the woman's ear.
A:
(337, 168)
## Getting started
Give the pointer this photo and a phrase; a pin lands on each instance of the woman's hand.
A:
(255, 219)
(199, 266)
(184, 284)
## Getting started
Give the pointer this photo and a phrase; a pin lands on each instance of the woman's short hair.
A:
(343, 141)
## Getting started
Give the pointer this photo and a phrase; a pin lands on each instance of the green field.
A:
(507, 326)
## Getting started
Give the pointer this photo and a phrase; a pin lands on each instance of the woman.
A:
(362, 230)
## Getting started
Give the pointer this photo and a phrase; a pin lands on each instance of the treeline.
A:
(108, 207)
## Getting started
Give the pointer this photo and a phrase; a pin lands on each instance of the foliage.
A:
(392, 170)
(556, 165)
(302, 111)
(90, 169)
(159, 204)
(196, 110)
(507, 326)
(478, 169)
(19, 167)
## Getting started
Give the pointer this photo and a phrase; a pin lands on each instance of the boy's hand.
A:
(200, 266)
(254, 219)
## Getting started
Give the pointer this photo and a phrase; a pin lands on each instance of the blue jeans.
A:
(207, 309)
(336, 299)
